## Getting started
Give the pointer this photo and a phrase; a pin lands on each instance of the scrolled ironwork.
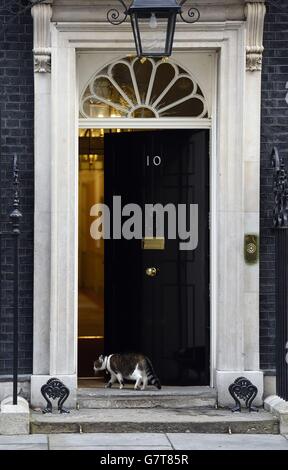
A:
(54, 389)
(192, 15)
(113, 15)
(280, 190)
(243, 389)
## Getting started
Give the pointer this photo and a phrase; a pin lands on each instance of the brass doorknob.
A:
(152, 272)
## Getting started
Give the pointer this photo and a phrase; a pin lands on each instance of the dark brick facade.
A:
(16, 104)
(274, 132)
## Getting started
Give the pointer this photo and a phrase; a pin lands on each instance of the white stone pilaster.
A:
(42, 211)
(230, 328)
(50, 355)
(64, 217)
(254, 47)
(238, 355)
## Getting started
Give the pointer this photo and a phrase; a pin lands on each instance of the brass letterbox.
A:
(151, 243)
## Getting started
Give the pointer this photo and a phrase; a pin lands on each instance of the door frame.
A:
(234, 190)
(162, 124)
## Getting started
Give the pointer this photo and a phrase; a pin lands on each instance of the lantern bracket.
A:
(193, 14)
(115, 17)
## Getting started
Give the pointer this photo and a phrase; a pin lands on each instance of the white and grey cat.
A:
(130, 367)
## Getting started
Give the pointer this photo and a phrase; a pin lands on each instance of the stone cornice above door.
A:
(96, 10)
(84, 11)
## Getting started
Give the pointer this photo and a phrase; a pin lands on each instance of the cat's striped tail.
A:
(152, 377)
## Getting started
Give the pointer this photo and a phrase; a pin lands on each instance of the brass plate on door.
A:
(151, 243)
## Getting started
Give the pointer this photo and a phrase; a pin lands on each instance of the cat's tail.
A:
(152, 377)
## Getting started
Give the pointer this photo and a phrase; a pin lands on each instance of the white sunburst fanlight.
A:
(133, 88)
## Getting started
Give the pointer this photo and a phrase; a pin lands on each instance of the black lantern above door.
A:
(153, 23)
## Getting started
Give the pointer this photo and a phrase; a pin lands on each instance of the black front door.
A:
(157, 300)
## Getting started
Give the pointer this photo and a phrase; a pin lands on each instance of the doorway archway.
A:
(128, 89)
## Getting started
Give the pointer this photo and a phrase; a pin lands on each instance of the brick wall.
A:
(16, 105)
(274, 132)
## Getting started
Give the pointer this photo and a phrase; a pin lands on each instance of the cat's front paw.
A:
(121, 386)
(109, 385)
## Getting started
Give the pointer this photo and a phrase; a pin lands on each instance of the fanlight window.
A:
(133, 88)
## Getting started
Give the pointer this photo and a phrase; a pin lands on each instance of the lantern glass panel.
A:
(153, 33)
(153, 39)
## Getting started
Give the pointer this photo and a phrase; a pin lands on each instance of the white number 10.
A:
(155, 161)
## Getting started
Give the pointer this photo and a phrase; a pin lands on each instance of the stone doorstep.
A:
(155, 420)
(128, 390)
(167, 397)
(279, 409)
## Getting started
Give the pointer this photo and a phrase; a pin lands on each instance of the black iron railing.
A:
(15, 217)
(280, 222)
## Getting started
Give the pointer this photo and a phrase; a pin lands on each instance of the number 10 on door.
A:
(156, 161)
